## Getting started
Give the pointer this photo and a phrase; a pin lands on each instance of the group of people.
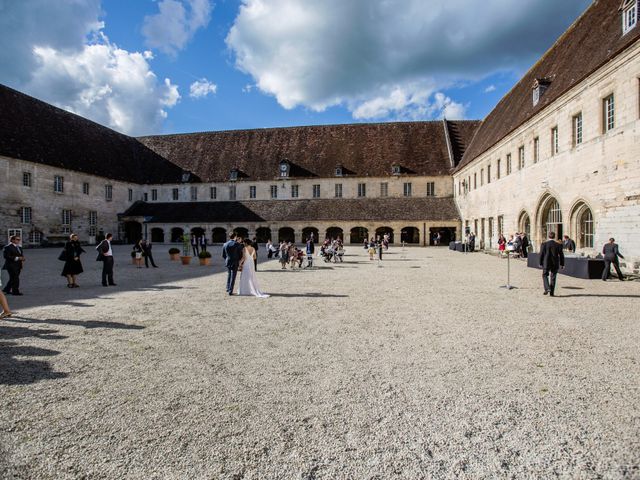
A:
(518, 245)
(376, 245)
(240, 255)
(198, 244)
(332, 250)
(143, 249)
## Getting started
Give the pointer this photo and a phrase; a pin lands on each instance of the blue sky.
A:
(131, 64)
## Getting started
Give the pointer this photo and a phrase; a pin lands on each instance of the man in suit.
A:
(232, 254)
(568, 244)
(203, 243)
(551, 260)
(195, 244)
(105, 254)
(13, 260)
(310, 251)
(254, 244)
(611, 254)
(146, 251)
(525, 245)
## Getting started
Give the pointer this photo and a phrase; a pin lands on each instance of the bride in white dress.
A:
(248, 280)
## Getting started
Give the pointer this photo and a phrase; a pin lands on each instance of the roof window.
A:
(233, 174)
(629, 15)
(540, 86)
(395, 169)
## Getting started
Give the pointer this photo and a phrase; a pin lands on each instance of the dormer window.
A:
(284, 169)
(185, 177)
(395, 169)
(629, 15)
(539, 87)
(233, 175)
(339, 172)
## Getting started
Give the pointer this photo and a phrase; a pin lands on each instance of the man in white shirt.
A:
(105, 253)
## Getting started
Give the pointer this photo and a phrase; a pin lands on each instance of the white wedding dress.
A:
(248, 280)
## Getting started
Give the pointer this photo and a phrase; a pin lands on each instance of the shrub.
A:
(204, 254)
(173, 251)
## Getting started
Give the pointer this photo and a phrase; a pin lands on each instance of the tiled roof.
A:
(594, 39)
(35, 131)
(371, 209)
(362, 150)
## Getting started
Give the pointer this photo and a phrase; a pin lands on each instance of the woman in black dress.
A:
(72, 265)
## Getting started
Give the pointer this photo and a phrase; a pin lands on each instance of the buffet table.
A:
(457, 246)
(578, 267)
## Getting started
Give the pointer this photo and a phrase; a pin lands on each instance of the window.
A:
(475, 181)
(554, 141)
(338, 171)
(536, 150)
(384, 189)
(338, 190)
(284, 169)
(252, 191)
(213, 193)
(93, 222)
(577, 129)
(233, 175)
(629, 15)
(586, 229)
(488, 173)
(66, 217)
(395, 169)
(508, 163)
(25, 215)
(130, 195)
(154, 194)
(108, 192)
(362, 189)
(406, 189)
(175, 194)
(194, 193)
(316, 191)
(431, 189)
(85, 188)
(521, 157)
(274, 191)
(35, 237)
(294, 191)
(609, 113)
(145, 196)
(232, 192)
(26, 179)
(498, 170)
(58, 184)
(500, 225)
(481, 176)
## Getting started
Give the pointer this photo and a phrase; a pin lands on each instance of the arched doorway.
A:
(263, 234)
(309, 231)
(218, 235)
(582, 221)
(286, 234)
(132, 231)
(358, 235)
(241, 231)
(524, 224)
(382, 231)
(197, 231)
(410, 235)
(157, 235)
(333, 233)
(551, 219)
(176, 234)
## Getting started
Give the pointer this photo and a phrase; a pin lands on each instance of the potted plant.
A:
(185, 258)
(174, 253)
(205, 258)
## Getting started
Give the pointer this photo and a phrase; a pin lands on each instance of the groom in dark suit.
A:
(551, 260)
(13, 259)
(232, 254)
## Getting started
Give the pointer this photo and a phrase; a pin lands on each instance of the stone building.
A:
(561, 151)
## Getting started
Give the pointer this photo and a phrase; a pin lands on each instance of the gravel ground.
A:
(421, 367)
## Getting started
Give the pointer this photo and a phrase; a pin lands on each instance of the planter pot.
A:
(205, 261)
(174, 256)
(185, 260)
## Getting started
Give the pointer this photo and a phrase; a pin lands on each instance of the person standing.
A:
(611, 254)
(146, 253)
(137, 251)
(525, 245)
(13, 262)
(105, 254)
(551, 260)
(203, 243)
(254, 244)
(568, 244)
(72, 265)
(195, 245)
(310, 251)
(232, 252)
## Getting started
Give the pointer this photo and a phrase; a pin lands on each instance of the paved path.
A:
(417, 368)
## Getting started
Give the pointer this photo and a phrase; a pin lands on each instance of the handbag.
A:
(63, 255)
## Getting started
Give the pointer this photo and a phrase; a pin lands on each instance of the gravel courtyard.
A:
(420, 367)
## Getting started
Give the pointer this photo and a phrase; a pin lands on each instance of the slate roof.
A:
(594, 39)
(33, 130)
(419, 148)
(371, 209)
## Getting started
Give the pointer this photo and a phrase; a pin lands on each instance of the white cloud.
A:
(490, 88)
(174, 26)
(73, 65)
(202, 88)
(377, 58)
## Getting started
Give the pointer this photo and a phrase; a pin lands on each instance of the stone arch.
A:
(582, 224)
(410, 235)
(549, 217)
(358, 235)
(241, 231)
(334, 232)
(381, 231)
(197, 231)
(263, 234)
(132, 231)
(157, 235)
(176, 234)
(218, 235)
(286, 234)
(524, 223)
(308, 231)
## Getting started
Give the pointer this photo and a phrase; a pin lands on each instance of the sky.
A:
(147, 67)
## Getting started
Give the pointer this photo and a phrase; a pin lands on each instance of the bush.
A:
(173, 251)
(204, 254)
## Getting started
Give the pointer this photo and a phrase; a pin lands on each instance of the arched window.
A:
(552, 218)
(586, 232)
(524, 225)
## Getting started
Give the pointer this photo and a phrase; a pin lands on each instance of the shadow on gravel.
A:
(14, 371)
(598, 295)
(77, 323)
(310, 295)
